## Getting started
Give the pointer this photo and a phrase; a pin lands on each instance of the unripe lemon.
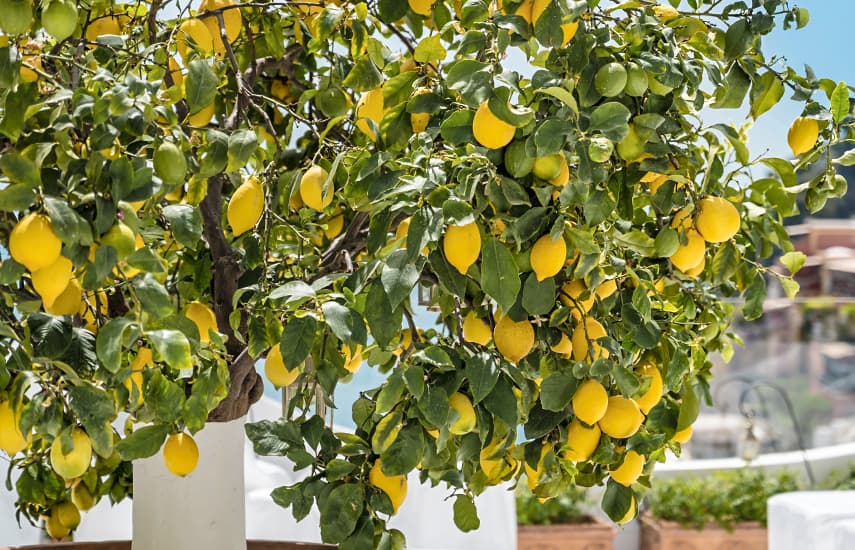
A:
(514, 339)
(622, 418)
(589, 330)
(636, 80)
(421, 7)
(76, 462)
(370, 107)
(245, 206)
(683, 436)
(631, 148)
(16, 16)
(170, 164)
(462, 245)
(490, 131)
(68, 515)
(52, 280)
(548, 167)
(590, 401)
(475, 330)
(122, 238)
(352, 359)
(192, 33)
(610, 79)
(232, 22)
(467, 420)
(54, 528)
(275, 371)
(547, 256)
(717, 220)
(630, 469)
(312, 187)
(517, 162)
(395, 487)
(581, 441)
(82, 497)
(563, 177)
(59, 19)
(803, 135)
(33, 243)
(69, 301)
(180, 454)
(653, 395)
(203, 116)
(563, 347)
(204, 318)
(12, 440)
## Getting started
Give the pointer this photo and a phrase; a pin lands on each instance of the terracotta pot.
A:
(126, 545)
(668, 535)
(595, 534)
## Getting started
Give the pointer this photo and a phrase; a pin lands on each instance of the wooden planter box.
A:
(126, 545)
(668, 535)
(591, 535)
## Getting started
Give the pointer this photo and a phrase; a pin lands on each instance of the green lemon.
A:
(170, 164)
(636, 81)
(517, 162)
(16, 16)
(610, 79)
(600, 149)
(60, 19)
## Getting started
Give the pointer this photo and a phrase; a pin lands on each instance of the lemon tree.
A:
(188, 189)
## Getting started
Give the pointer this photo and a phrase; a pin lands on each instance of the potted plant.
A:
(560, 522)
(727, 509)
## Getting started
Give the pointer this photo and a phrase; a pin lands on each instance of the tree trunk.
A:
(206, 509)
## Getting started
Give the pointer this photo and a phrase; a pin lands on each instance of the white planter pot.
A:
(206, 509)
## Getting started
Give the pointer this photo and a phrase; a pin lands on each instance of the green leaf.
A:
(146, 260)
(391, 392)
(500, 277)
(164, 397)
(457, 127)
(15, 198)
(340, 511)
(200, 85)
(363, 76)
(473, 80)
(754, 296)
(19, 169)
(846, 159)
(612, 120)
(617, 500)
(644, 333)
(434, 405)
(482, 371)
(735, 140)
(68, 225)
(405, 453)
(766, 92)
(557, 390)
(737, 39)
(689, 407)
(430, 50)
(790, 286)
(172, 346)
(840, 102)
(666, 243)
(92, 406)
(399, 276)
(465, 514)
(345, 323)
(185, 222)
(108, 345)
(732, 93)
(392, 10)
(562, 95)
(725, 263)
(273, 437)
(387, 429)
(153, 296)
(241, 146)
(297, 340)
(538, 297)
(793, 261)
(383, 320)
(143, 442)
(502, 402)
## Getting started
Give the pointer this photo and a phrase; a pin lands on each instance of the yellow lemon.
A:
(193, 33)
(717, 220)
(334, 226)
(654, 181)
(142, 360)
(590, 401)
(569, 30)
(803, 135)
(134, 384)
(352, 359)
(52, 280)
(82, 497)
(547, 256)
(33, 243)
(462, 245)
(107, 25)
(490, 131)
(698, 269)
(421, 7)
(630, 513)
(475, 330)
(630, 469)
(547, 167)
(465, 423)
(30, 73)
(570, 296)
(533, 474)
(683, 436)
(204, 318)
(275, 371)
(563, 347)
(312, 188)
(246, 206)
(232, 23)
(652, 396)
(419, 122)
(514, 339)
(606, 289)
(588, 331)
(180, 454)
(369, 107)
(395, 487)
(12, 440)
(492, 461)
(581, 441)
(55, 529)
(665, 12)
(690, 254)
(563, 177)
(76, 461)
(622, 418)
(175, 71)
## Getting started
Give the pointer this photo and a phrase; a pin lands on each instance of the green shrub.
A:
(724, 499)
(568, 507)
(840, 481)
